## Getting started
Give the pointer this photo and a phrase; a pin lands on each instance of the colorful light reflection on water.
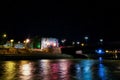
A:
(61, 69)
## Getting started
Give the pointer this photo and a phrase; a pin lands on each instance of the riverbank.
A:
(12, 53)
(32, 56)
(106, 56)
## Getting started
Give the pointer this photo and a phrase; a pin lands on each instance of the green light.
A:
(38, 45)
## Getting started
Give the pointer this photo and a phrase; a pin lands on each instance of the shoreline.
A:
(32, 56)
(14, 54)
(29, 56)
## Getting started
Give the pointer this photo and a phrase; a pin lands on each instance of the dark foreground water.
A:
(61, 69)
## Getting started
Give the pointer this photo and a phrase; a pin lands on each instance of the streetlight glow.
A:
(4, 35)
(86, 37)
(11, 41)
(27, 41)
(101, 40)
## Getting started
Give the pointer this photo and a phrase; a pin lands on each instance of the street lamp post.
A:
(4, 35)
(86, 39)
(26, 42)
(101, 41)
(11, 41)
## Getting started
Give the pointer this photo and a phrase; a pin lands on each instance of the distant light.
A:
(27, 40)
(24, 41)
(82, 44)
(106, 51)
(38, 45)
(101, 40)
(12, 40)
(86, 37)
(78, 42)
(4, 35)
(18, 42)
(100, 51)
(116, 51)
(79, 52)
(63, 40)
(73, 43)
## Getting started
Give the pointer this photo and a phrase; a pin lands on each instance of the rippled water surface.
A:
(61, 69)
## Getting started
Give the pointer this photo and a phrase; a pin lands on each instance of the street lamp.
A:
(4, 35)
(86, 39)
(26, 42)
(101, 41)
(11, 41)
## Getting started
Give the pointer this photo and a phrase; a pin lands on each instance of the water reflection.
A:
(9, 70)
(26, 70)
(44, 69)
(84, 70)
(102, 72)
(64, 69)
(54, 70)
(61, 69)
(100, 59)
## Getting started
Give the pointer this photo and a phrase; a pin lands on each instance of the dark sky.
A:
(62, 19)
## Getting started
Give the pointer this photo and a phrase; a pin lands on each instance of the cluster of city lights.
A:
(112, 51)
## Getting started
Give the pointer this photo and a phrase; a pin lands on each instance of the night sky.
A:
(61, 19)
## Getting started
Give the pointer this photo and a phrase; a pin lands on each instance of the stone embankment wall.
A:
(22, 51)
(13, 51)
(52, 50)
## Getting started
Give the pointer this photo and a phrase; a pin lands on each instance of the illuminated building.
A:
(49, 43)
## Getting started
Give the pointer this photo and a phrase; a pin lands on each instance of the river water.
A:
(60, 69)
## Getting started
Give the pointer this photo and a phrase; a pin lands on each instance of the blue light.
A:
(100, 51)
(100, 59)
(102, 72)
